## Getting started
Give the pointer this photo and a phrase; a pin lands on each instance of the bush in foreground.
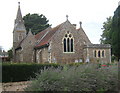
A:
(86, 77)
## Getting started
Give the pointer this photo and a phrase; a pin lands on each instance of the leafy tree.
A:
(116, 33)
(35, 22)
(106, 36)
(10, 54)
(111, 33)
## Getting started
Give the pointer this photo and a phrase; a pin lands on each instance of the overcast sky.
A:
(92, 13)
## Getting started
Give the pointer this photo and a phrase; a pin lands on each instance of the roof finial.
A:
(18, 3)
(80, 24)
(30, 29)
(67, 17)
(30, 32)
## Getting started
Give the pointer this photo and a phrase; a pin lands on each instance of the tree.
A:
(106, 36)
(115, 31)
(10, 54)
(111, 33)
(35, 22)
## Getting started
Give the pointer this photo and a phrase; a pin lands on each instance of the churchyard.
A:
(59, 77)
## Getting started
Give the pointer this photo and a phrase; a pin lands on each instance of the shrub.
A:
(12, 72)
(86, 77)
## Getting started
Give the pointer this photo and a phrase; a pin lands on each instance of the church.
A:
(61, 44)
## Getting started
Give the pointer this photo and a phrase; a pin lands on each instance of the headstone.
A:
(80, 60)
(76, 61)
(87, 60)
(54, 60)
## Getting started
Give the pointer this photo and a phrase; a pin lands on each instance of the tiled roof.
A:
(40, 34)
(42, 37)
(46, 36)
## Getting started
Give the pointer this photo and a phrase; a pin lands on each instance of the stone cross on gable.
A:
(80, 24)
(67, 17)
(18, 3)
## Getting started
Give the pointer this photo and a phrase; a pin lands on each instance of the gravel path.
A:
(15, 86)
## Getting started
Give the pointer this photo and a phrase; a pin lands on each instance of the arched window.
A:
(95, 53)
(68, 46)
(68, 42)
(71, 45)
(98, 53)
(65, 45)
(103, 53)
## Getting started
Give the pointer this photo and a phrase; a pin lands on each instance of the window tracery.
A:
(68, 42)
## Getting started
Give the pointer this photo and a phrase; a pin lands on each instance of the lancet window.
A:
(68, 42)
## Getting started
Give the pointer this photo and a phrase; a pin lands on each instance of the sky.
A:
(92, 13)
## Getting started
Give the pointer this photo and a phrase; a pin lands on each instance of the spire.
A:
(19, 15)
(19, 23)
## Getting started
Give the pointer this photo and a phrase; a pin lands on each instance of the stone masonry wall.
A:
(105, 59)
(57, 53)
(42, 55)
(28, 48)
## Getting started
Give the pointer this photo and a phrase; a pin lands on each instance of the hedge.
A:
(14, 72)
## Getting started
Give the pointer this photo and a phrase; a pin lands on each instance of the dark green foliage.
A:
(35, 22)
(10, 54)
(106, 36)
(85, 77)
(116, 33)
(111, 33)
(22, 71)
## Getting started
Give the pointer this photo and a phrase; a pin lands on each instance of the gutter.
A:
(40, 47)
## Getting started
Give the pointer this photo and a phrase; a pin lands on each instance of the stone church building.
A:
(61, 44)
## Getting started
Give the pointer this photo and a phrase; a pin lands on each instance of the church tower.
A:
(19, 32)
